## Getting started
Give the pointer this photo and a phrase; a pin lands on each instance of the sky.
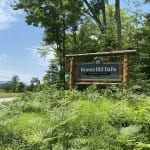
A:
(18, 44)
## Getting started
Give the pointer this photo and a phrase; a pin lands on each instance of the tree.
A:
(144, 45)
(6, 87)
(56, 17)
(82, 26)
(20, 87)
(34, 84)
(95, 9)
(52, 74)
(14, 81)
(118, 21)
(14, 85)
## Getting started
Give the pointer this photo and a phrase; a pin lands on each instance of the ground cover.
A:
(72, 120)
(8, 95)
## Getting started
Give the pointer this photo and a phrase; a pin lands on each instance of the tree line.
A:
(15, 85)
(50, 77)
(84, 26)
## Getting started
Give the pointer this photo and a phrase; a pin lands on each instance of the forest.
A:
(49, 116)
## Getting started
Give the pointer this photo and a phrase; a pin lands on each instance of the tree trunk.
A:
(104, 15)
(118, 21)
(63, 47)
(63, 58)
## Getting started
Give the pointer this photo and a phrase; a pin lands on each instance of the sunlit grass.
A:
(8, 95)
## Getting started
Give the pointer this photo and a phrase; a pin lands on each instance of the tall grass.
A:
(72, 120)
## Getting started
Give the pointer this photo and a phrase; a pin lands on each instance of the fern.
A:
(71, 120)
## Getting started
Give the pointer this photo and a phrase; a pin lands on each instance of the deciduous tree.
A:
(56, 17)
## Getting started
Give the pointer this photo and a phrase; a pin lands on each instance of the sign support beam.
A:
(72, 74)
(125, 71)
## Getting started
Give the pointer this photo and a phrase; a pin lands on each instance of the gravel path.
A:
(6, 99)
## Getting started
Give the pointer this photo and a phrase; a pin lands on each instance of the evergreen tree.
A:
(52, 74)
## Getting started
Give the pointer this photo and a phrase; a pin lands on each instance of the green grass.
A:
(75, 120)
(8, 95)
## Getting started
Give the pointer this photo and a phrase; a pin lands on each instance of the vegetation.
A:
(17, 86)
(7, 95)
(84, 26)
(91, 119)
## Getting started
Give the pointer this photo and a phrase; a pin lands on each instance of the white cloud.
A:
(35, 58)
(42, 61)
(7, 14)
(6, 75)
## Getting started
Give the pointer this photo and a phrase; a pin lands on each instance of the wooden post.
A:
(72, 76)
(125, 71)
(67, 64)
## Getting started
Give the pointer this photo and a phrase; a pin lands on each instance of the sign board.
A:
(100, 73)
(103, 71)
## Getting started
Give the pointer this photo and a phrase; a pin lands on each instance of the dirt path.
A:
(6, 99)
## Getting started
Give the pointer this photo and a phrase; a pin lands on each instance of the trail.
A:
(6, 99)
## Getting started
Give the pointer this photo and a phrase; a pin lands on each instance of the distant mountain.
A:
(3, 82)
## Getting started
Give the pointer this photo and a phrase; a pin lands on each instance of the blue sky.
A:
(18, 43)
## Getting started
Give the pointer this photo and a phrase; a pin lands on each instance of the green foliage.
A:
(57, 119)
(16, 86)
(7, 95)
(90, 26)
(13, 86)
(52, 75)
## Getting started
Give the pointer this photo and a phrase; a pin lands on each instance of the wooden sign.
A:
(100, 72)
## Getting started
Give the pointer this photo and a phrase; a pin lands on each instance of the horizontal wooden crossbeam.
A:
(96, 83)
(122, 52)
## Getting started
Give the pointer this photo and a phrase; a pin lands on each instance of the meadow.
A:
(76, 120)
(8, 95)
